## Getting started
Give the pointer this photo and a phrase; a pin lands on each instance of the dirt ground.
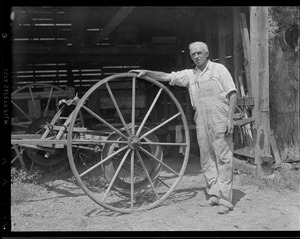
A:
(65, 207)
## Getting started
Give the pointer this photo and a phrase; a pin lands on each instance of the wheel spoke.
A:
(22, 125)
(33, 102)
(104, 122)
(48, 102)
(147, 174)
(57, 104)
(149, 111)
(133, 106)
(163, 183)
(153, 157)
(117, 108)
(116, 174)
(132, 178)
(160, 125)
(103, 161)
(27, 116)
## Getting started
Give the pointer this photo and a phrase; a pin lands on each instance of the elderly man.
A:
(214, 98)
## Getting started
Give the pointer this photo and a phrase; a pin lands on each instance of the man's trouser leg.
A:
(207, 157)
(223, 148)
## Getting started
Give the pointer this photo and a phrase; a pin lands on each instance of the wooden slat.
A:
(246, 50)
(39, 95)
(274, 148)
(26, 136)
(244, 151)
(245, 101)
(60, 51)
(222, 39)
(237, 46)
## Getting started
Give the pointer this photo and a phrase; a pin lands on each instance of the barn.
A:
(63, 51)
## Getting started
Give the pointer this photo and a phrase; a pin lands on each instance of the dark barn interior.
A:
(78, 46)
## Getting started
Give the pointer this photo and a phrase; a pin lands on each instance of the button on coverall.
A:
(208, 91)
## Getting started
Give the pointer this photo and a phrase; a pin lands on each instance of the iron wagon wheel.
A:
(43, 99)
(125, 170)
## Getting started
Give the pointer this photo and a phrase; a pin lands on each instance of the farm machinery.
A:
(118, 163)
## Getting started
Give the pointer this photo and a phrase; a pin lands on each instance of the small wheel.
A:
(119, 162)
(41, 157)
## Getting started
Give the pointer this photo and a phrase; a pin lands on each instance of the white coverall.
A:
(208, 91)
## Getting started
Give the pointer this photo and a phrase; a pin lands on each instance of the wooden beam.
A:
(237, 46)
(260, 79)
(222, 38)
(246, 50)
(113, 23)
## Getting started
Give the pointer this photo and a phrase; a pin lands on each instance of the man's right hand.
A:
(139, 73)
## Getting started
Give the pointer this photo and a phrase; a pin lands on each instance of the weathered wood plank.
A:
(237, 47)
(274, 148)
(222, 39)
(245, 101)
(246, 50)
(39, 95)
(244, 151)
(260, 80)
(244, 166)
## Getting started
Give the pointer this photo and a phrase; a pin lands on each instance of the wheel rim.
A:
(132, 139)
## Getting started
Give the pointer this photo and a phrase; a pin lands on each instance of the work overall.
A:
(215, 148)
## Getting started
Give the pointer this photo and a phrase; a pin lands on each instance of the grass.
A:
(24, 186)
(281, 180)
(284, 178)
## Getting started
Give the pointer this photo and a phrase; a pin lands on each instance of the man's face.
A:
(198, 55)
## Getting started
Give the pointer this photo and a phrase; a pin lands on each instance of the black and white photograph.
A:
(150, 118)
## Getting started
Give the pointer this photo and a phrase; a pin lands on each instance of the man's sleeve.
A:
(180, 78)
(226, 80)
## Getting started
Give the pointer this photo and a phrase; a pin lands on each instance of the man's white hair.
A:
(198, 43)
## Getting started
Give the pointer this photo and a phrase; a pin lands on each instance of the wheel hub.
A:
(134, 142)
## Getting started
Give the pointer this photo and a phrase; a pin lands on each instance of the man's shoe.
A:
(212, 201)
(223, 209)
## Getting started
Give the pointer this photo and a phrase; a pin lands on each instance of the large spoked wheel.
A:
(120, 164)
(34, 101)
